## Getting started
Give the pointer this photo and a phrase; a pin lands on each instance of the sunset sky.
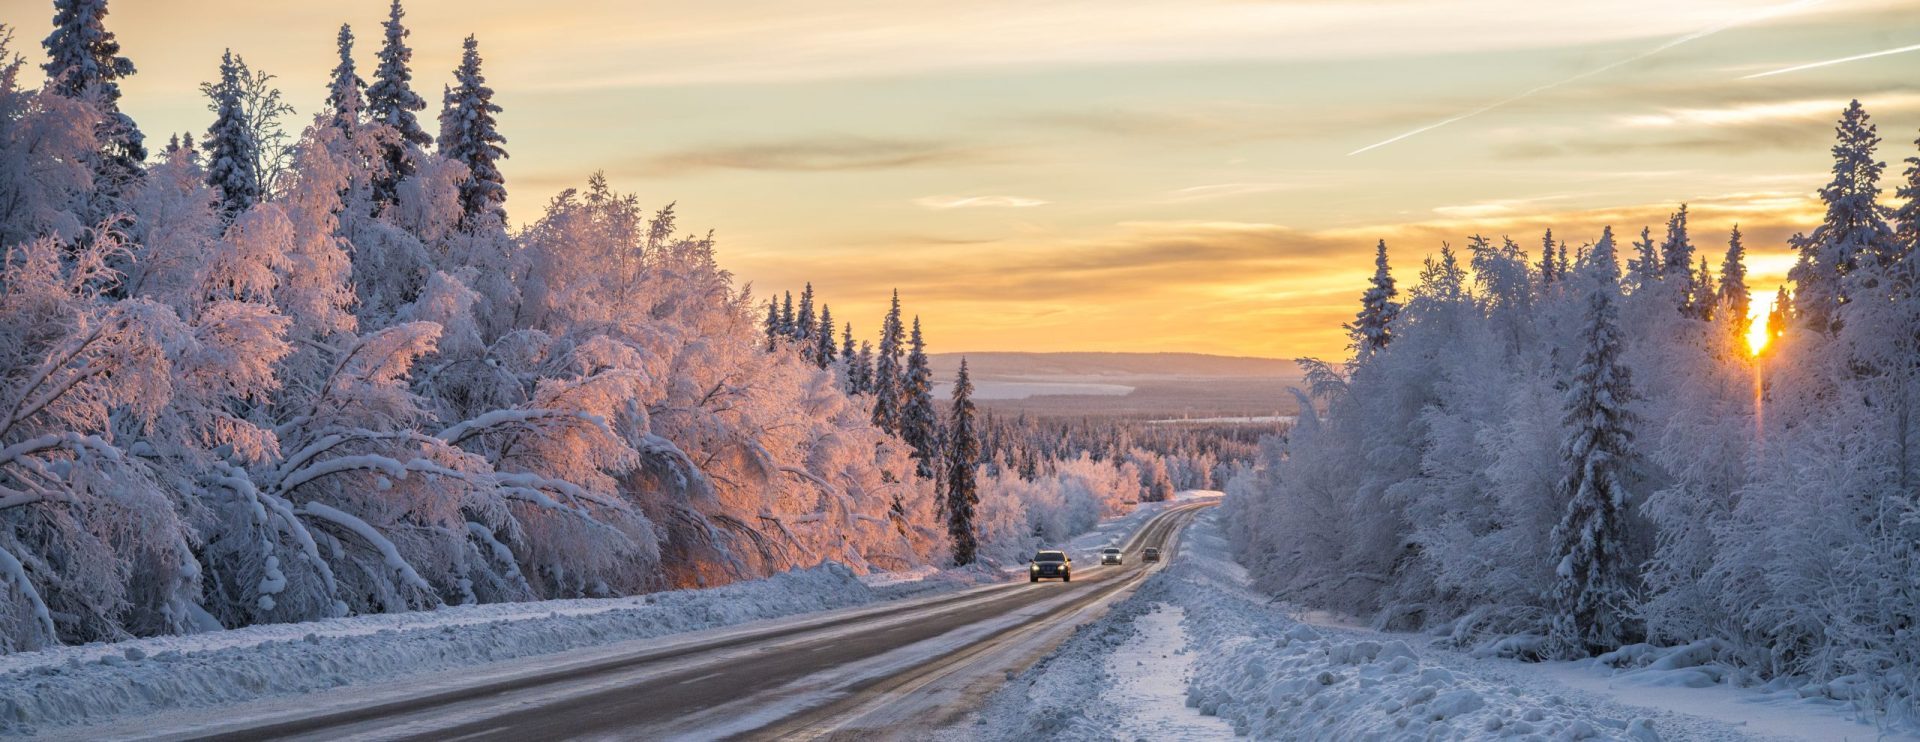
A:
(1154, 175)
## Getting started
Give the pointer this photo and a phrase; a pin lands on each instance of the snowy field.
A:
(1197, 654)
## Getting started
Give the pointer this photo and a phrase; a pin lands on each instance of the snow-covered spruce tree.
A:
(346, 93)
(233, 164)
(1547, 265)
(1855, 227)
(847, 354)
(919, 421)
(963, 455)
(1676, 260)
(1594, 597)
(772, 326)
(787, 324)
(1372, 329)
(391, 102)
(888, 375)
(1733, 297)
(469, 136)
(860, 370)
(84, 63)
(1644, 270)
(823, 347)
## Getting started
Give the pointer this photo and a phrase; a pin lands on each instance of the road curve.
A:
(888, 671)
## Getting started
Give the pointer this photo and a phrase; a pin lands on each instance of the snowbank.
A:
(94, 683)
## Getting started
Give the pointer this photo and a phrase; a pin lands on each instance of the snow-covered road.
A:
(858, 666)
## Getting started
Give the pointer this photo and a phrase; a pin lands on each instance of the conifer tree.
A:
(803, 328)
(1779, 315)
(1906, 219)
(1733, 297)
(84, 62)
(823, 348)
(470, 136)
(887, 373)
(963, 454)
(1703, 292)
(919, 422)
(1676, 262)
(847, 350)
(1855, 227)
(1547, 264)
(860, 370)
(232, 153)
(1592, 594)
(391, 101)
(346, 94)
(1372, 327)
(1645, 266)
(1566, 261)
(786, 316)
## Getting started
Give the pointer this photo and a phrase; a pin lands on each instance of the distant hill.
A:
(1016, 365)
(1134, 385)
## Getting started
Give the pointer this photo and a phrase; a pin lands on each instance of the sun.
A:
(1757, 334)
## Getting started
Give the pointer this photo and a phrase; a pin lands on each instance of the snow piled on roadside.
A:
(1272, 677)
(99, 682)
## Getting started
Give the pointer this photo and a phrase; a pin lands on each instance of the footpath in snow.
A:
(1239, 665)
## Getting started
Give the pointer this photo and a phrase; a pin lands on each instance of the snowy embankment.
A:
(1266, 675)
(97, 683)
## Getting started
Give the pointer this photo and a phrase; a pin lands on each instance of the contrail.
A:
(1842, 60)
(1695, 36)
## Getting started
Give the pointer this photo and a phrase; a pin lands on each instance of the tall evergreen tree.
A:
(1734, 298)
(1676, 263)
(1645, 266)
(847, 350)
(470, 136)
(1704, 293)
(786, 316)
(804, 321)
(1855, 227)
(84, 62)
(1906, 219)
(1372, 327)
(823, 348)
(963, 454)
(1779, 315)
(233, 168)
(887, 376)
(1592, 598)
(391, 101)
(1547, 264)
(860, 370)
(347, 93)
(919, 421)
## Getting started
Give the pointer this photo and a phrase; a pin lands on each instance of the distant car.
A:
(1150, 554)
(1109, 555)
(1049, 565)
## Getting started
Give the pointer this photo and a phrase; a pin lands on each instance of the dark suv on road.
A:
(1050, 565)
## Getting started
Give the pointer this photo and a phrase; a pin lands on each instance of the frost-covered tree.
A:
(84, 63)
(469, 135)
(233, 164)
(771, 326)
(889, 379)
(1733, 296)
(1676, 261)
(805, 325)
(1645, 268)
(823, 348)
(346, 92)
(962, 458)
(919, 421)
(1372, 328)
(860, 370)
(1593, 598)
(848, 351)
(47, 154)
(1855, 227)
(392, 102)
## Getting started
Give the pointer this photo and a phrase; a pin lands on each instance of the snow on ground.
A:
(1267, 675)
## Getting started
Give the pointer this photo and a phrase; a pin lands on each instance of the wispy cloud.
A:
(941, 203)
(1536, 90)
(1831, 62)
(827, 154)
(1223, 190)
(1498, 207)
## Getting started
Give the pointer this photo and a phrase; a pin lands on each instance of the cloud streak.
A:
(827, 154)
(1538, 89)
(942, 203)
(1831, 62)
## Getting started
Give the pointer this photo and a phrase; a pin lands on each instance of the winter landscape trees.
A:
(1554, 460)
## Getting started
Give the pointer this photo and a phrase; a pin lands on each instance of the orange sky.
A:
(1097, 175)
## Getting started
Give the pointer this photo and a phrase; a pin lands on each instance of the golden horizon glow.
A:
(1155, 175)
(1757, 335)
